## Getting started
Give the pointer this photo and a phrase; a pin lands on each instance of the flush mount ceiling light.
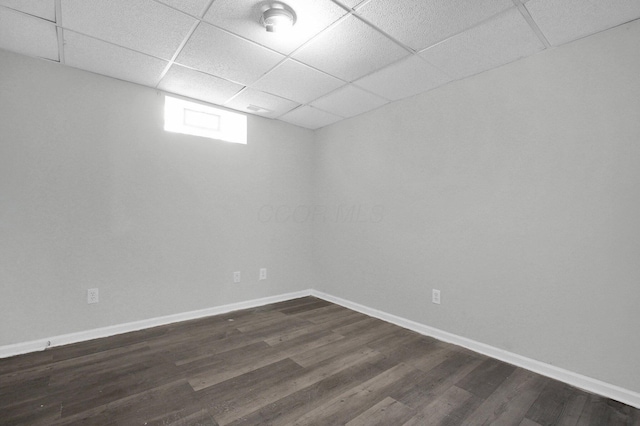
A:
(277, 17)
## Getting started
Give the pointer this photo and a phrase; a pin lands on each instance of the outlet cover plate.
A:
(435, 296)
(93, 295)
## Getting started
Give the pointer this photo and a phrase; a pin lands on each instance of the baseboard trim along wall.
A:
(82, 336)
(583, 382)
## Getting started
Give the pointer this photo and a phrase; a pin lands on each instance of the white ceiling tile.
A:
(422, 23)
(350, 50)
(349, 101)
(28, 35)
(142, 25)
(503, 39)
(45, 9)
(260, 103)
(198, 85)
(310, 117)
(568, 20)
(243, 18)
(217, 52)
(192, 7)
(298, 82)
(330, 46)
(353, 3)
(403, 79)
(114, 61)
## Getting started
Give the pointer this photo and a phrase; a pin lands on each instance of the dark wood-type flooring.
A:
(299, 362)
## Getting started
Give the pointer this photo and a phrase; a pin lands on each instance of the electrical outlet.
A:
(236, 277)
(92, 295)
(435, 296)
(263, 273)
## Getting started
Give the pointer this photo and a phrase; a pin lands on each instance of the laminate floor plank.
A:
(509, 403)
(303, 361)
(287, 410)
(228, 367)
(186, 354)
(546, 410)
(438, 357)
(238, 355)
(24, 362)
(116, 385)
(459, 415)
(274, 324)
(358, 327)
(35, 414)
(386, 412)
(243, 320)
(86, 393)
(72, 365)
(206, 336)
(172, 400)
(357, 400)
(616, 413)
(305, 308)
(527, 422)
(290, 334)
(25, 391)
(389, 343)
(338, 321)
(595, 411)
(279, 306)
(265, 334)
(573, 408)
(199, 418)
(423, 355)
(485, 379)
(248, 392)
(99, 346)
(324, 313)
(437, 381)
(450, 408)
(318, 354)
(63, 373)
(268, 392)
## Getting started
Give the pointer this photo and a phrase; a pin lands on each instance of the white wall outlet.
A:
(263, 273)
(435, 296)
(92, 295)
(236, 277)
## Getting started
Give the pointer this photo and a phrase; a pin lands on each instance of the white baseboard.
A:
(583, 382)
(81, 336)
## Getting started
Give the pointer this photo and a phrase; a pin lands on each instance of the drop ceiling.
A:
(342, 57)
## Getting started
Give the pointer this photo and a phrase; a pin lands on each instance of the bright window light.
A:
(191, 118)
(204, 120)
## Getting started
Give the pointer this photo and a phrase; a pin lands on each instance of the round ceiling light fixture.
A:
(277, 17)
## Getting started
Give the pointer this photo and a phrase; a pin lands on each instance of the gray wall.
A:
(94, 193)
(515, 192)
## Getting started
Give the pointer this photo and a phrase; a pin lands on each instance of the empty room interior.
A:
(376, 212)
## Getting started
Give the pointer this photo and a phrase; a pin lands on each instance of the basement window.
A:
(190, 118)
